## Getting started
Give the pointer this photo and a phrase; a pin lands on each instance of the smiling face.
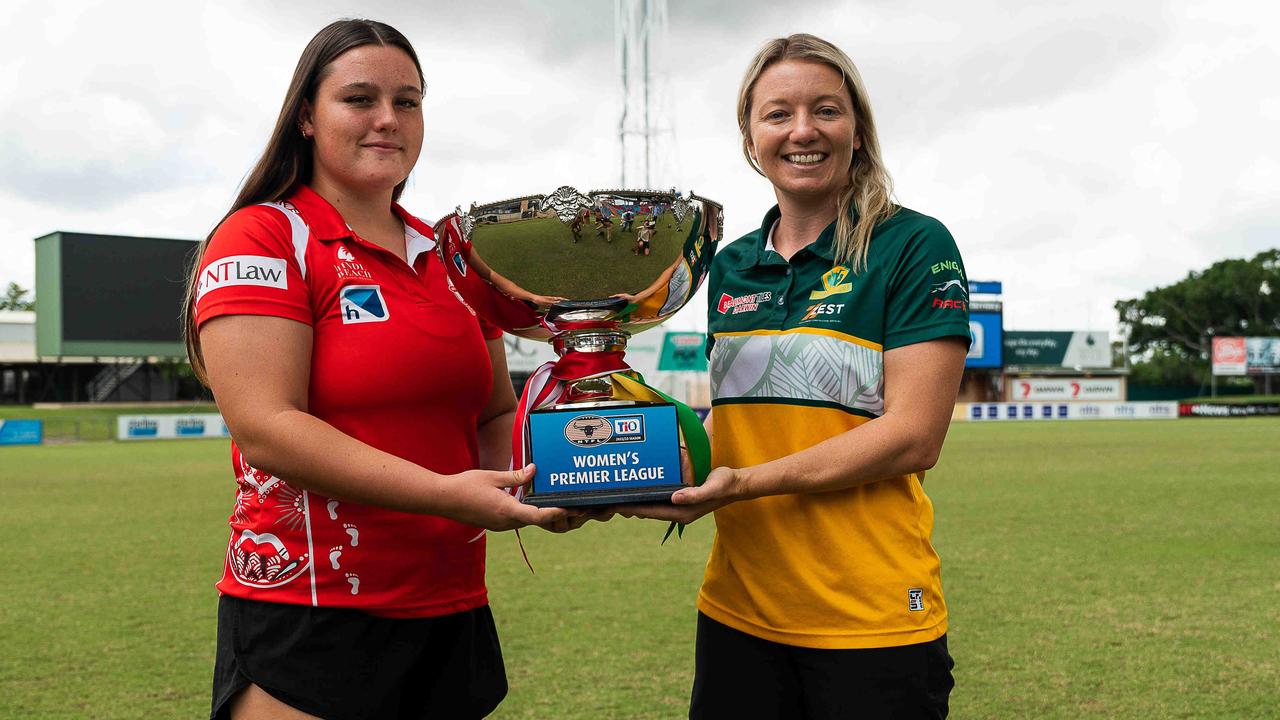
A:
(803, 132)
(365, 121)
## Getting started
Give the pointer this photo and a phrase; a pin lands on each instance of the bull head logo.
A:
(588, 430)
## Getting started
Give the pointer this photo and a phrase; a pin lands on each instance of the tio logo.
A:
(628, 428)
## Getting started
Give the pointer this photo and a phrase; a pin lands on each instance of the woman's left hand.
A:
(577, 517)
(723, 486)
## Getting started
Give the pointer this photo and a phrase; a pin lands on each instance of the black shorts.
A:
(740, 675)
(346, 665)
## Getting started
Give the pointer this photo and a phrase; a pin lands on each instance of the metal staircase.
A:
(110, 378)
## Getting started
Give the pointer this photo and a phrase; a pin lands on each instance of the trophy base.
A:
(603, 453)
(600, 498)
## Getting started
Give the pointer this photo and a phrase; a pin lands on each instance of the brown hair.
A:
(286, 162)
(870, 189)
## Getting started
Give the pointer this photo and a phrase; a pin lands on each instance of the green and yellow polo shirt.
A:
(796, 356)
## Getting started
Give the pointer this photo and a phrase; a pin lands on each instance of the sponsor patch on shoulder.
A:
(243, 270)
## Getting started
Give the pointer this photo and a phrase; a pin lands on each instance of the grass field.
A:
(1092, 569)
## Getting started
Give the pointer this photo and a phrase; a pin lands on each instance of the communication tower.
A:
(643, 130)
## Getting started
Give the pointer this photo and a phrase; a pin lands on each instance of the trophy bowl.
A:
(585, 271)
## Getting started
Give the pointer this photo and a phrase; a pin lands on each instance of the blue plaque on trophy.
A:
(602, 454)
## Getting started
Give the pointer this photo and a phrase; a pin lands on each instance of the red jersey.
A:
(398, 362)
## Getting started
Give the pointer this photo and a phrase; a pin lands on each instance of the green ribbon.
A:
(631, 386)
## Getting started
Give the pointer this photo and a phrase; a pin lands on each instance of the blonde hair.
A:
(870, 189)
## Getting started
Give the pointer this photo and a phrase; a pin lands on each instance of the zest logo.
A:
(816, 311)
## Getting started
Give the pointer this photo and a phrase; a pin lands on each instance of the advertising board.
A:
(1229, 356)
(985, 350)
(21, 432)
(1074, 349)
(1262, 355)
(1069, 389)
(683, 351)
(170, 427)
(1032, 411)
(1246, 356)
(1228, 410)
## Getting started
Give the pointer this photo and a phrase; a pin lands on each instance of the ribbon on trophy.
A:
(631, 386)
(549, 385)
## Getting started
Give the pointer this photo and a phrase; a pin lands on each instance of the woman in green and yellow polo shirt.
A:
(838, 333)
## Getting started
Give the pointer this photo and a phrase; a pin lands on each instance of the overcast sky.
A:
(1080, 152)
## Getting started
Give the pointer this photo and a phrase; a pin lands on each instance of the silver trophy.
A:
(585, 271)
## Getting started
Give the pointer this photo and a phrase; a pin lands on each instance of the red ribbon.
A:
(550, 385)
(578, 365)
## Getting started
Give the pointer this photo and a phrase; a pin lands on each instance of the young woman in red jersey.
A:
(370, 414)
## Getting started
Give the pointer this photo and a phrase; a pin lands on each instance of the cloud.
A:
(1085, 151)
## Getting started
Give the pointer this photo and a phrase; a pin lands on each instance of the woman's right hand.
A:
(480, 498)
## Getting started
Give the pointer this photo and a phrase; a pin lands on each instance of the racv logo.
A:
(362, 304)
(945, 286)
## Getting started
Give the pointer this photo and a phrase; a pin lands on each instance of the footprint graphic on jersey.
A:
(355, 583)
(332, 507)
(334, 554)
(353, 532)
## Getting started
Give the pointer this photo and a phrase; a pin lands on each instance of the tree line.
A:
(1171, 328)
(15, 298)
